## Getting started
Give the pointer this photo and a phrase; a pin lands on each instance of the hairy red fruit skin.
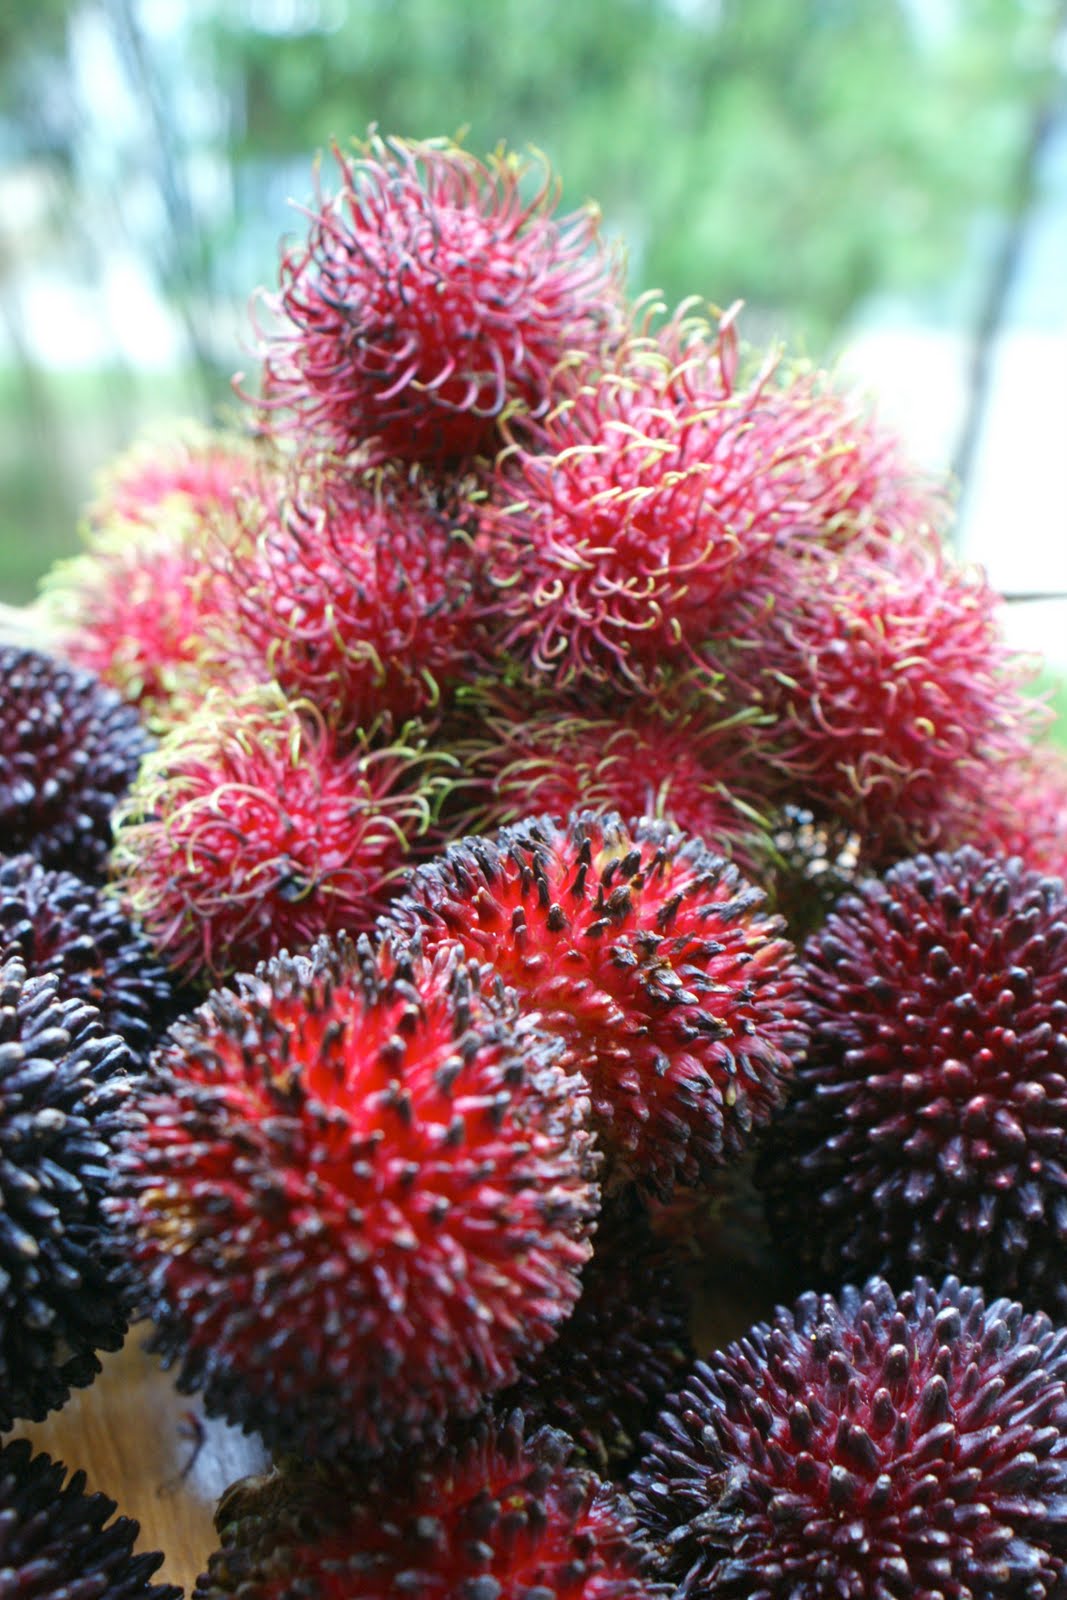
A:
(622, 1351)
(253, 829)
(428, 298)
(872, 1445)
(361, 1191)
(1026, 812)
(644, 762)
(650, 957)
(879, 693)
(356, 593)
(69, 750)
(60, 1541)
(194, 477)
(929, 1119)
(53, 922)
(490, 1515)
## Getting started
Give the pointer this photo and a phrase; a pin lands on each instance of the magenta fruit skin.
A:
(874, 1445)
(928, 1126)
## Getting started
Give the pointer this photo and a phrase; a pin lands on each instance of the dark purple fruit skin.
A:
(621, 1351)
(64, 1101)
(69, 749)
(55, 922)
(873, 1445)
(928, 1127)
(57, 1542)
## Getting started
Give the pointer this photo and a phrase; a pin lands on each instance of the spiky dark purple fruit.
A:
(652, 959)
(59, 1543)
(622, 1350)
(69, 749)
(57, 923)
(873, 1447)
(928, 1128)
(361, 1192)
(63, 1103)
(488, 1516)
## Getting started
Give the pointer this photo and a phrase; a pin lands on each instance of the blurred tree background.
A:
(804, 155)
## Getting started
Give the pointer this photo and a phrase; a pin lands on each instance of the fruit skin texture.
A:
(64, 1100)
(874, 1445)
(428, 297)
(621, 1352)
(193, 475)
(252, 830)
(1026, 812)
(675, 997)
(488, 1516)
(362, 1189)
(56, 923)
(929, 1119)
(57, 1541)
(69, 749)
(355, 593)
(886, 698)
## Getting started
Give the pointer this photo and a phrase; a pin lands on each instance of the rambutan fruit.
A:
(1025, 812)
(621, 1352)
(648, 761)
(356, 595)
(252, 830)
(492, 1516)
(69, 749)
(677, 999)
(616, 529)
(880, 693)
(872, 1445)
(54, 922)
(362, 1191)
(192, 475)
(63, 1104)
(928, 1122)
(428, 297)
(57, 1542)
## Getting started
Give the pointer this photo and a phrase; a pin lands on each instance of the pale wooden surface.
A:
(136, 1436)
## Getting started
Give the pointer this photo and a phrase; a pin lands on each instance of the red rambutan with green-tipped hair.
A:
(677, 998)
(190, 475)
(873, 1445)
(1025, 812)
(928, 1124)
(252, 830)
(494, 1513)
(879, 691)
(361, 1191)
(429, 296)
(655, 760)
(617, 529)
(353, 592)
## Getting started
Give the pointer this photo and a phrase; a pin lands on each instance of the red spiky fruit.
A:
(490, 1516)
(647, 761)
(886, 697)
(650, 957)
(69, 749)
(928, 1125)
(362, 1190)
(54, 922)
(192, 475)
(1025, 813)
(356, 594)
(621, 1352)
(618, 527)
(872, 1445)
(430, 296)
(251, 830)
(59, 1541)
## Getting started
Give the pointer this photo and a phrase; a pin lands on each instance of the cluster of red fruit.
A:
(535, 674)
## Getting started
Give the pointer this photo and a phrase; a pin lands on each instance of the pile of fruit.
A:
(538, 798)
